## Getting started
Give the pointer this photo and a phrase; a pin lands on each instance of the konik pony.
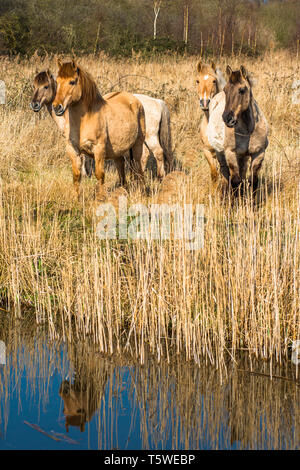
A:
(158, 140)
(104, 128)
(44, 93)
(238, 129)
(246, 132)
(210, 82)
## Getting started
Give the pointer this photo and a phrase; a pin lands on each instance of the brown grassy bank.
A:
(241, 291)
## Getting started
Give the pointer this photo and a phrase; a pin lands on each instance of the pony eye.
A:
(197, 81)
(72, 82)
(242, 91)
(46, 87)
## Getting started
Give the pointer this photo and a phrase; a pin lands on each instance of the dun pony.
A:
(246, 129)
(44, 85)
(209, 82)
(102, 128)
(158, 129)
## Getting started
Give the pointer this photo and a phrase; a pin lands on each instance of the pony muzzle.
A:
(229, 119)
(204, 103)
(35, 106)
(59, 110)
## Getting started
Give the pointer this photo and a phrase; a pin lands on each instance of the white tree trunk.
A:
(156, 8)
(186, 23)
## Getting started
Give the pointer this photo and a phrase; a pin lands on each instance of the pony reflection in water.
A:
(81, 401)
(82, 396)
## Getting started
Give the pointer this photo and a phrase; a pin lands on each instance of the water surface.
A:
(59, 396)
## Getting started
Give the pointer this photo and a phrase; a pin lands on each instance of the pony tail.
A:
(165, 138)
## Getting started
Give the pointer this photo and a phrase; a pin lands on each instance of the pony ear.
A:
(50, 75)
(213, 66)
(199, 66)
(59, 62)
(243, 71)
(74, 64)
(228, 70)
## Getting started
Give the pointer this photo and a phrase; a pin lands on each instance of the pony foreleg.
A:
(88, 165)
(120, 164)
(145, 156)
(256, 163)
(234, 171)
(99, 154)
(243, 164)
(212, 164)
(154, 145)
(224, 170)
(76, 167)
(136, 152)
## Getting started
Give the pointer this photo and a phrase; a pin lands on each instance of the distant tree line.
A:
(120, 27)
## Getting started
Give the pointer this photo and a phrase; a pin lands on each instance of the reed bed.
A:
(240, 292)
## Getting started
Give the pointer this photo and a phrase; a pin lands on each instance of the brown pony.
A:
(102, 128)
(246, 129)
(44, 85)
(209, 83)
(43, 95)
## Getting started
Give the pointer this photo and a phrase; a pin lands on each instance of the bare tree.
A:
(186, 5)
(156, 8)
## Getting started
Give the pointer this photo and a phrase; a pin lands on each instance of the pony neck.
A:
(60, 120)
(220, 80)
(91, 97)
(206, 113)
(49, 105)
(248, 116)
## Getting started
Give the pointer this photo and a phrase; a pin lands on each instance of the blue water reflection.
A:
(54, 396)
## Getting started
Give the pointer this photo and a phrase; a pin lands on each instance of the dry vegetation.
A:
(240, 292)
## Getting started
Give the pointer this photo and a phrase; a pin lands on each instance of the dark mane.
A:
(41, 78)
(90, 92)
(236, 76)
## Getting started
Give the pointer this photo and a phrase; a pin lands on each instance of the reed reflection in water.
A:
(73, 392)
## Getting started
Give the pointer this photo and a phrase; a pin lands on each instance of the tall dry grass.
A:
(240, 292)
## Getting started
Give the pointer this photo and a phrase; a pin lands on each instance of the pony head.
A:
(73, 84)
(238, 95)
(74, 405)
(207, 83)
(44, 90)
(68, 89)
